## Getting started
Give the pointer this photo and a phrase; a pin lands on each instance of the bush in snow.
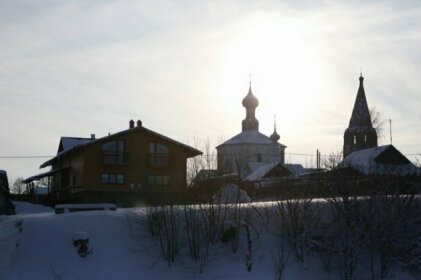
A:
(280, 259)
(164, 225)
(198, 243)
(392, 228)
(231, 193)
(296, 220)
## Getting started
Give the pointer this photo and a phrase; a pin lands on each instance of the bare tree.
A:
(206, 161)
(18, 186)
(332, 160)
(378, 121)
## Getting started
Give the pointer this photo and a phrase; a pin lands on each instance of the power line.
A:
(207, 155)
(23, 157)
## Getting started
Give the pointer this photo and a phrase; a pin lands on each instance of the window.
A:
(107, 178)
(355, 139)
(158, 154)
(259, 157)
(113, 152)
(158, 180)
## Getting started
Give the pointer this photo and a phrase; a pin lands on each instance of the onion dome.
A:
(275, 136)
(250, 101)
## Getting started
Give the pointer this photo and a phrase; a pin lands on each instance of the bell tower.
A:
(360, 133)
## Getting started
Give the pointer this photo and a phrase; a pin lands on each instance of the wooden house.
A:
(130, 165)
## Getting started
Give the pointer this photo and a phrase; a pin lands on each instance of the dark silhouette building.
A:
(360, 133)
(249, 146)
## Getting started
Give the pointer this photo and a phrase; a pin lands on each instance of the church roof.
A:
(249, 137)
(360, 114)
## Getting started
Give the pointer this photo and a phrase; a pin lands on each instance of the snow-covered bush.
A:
(280, 258)
(343, 237)
(392, 226)
(296, 220)
(231, 193)
(164, 223)
(197, 239)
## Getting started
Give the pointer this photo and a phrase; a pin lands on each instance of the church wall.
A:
(233, 157)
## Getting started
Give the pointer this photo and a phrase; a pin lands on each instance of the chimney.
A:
(131, 124)
(139, 123)
(93, 136)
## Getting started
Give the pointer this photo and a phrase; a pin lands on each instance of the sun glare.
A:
(286, 70)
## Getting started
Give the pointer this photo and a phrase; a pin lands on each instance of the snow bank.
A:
(29, 208)
(9, 235)
(231, 193)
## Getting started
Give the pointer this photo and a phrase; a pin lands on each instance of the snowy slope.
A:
(120, 250)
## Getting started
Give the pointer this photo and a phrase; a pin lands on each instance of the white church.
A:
(251, 151)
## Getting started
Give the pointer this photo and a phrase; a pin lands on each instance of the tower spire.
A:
(360, 133)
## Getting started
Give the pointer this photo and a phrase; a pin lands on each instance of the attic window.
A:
(113, 152)
(158, 154)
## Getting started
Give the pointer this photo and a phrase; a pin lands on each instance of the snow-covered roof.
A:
(254, 165)
(67, 143)
(249, 137)
(296, 169)
(368, 162)
(259, 172)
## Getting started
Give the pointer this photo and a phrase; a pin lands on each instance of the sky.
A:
(73, 68)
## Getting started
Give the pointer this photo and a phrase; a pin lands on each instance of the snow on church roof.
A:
(248, 137)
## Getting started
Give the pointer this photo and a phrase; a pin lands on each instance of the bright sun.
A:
(286, 70)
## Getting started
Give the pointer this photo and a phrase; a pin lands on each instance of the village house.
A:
(125, 167)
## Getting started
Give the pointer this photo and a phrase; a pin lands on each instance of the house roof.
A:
(66, 143)
(249, 137)
(42, 175)
(296, 169)
(82, 143)
(382, 160)
(261, 171)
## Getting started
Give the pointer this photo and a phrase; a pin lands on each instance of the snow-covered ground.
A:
(121, 249)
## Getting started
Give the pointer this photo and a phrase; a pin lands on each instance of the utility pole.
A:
(390, 128)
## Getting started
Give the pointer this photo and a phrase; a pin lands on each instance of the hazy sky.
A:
(72, 68)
